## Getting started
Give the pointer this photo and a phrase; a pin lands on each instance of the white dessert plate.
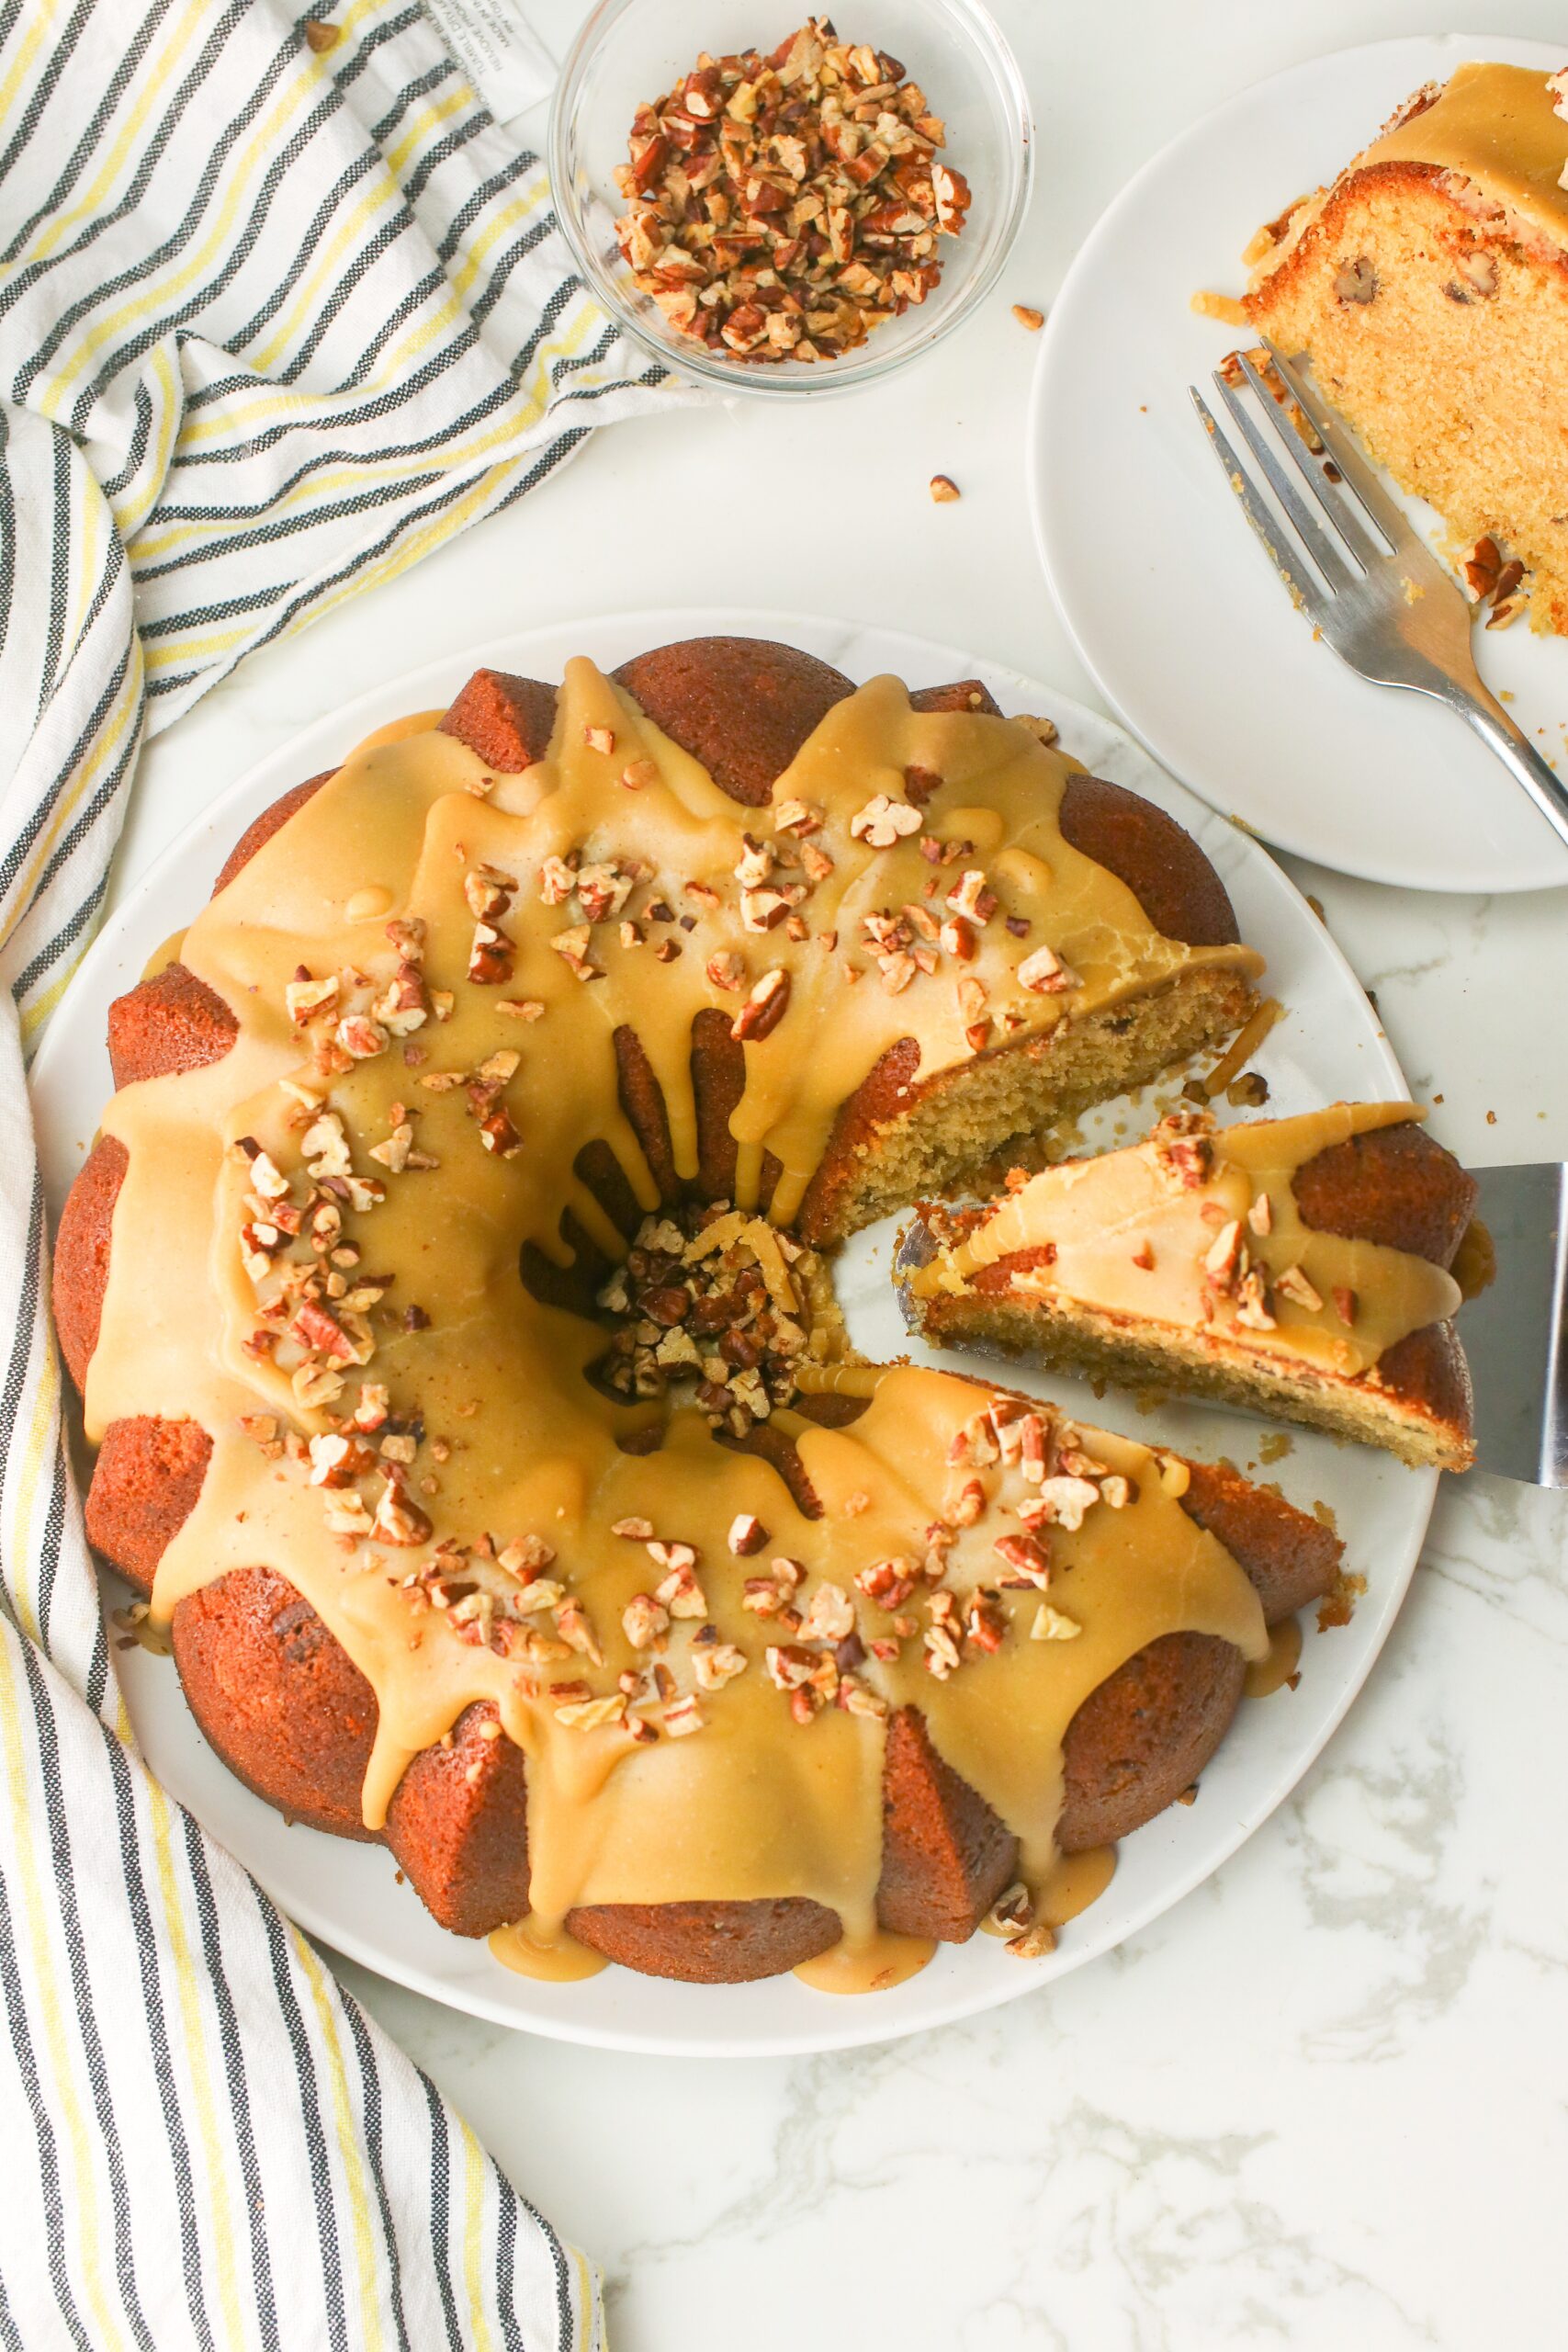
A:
(1328, 1046)
(1171, 602)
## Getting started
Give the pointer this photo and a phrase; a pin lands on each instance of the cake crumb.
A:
(1224, 308)
(1338, 1604)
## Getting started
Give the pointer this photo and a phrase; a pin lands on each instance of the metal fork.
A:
(1373, 589)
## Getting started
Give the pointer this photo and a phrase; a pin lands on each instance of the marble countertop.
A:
(1321, 2103)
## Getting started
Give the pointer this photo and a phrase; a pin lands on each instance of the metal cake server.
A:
(1355, 566)
(1515, 1332)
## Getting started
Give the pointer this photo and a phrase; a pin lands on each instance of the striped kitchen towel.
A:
(280, 309)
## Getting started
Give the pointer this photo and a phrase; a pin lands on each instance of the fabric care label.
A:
(504, 57)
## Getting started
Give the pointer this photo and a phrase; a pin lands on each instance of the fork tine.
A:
(1364, 545)
(1329, 557)
(1394, 526)
(1265, 528)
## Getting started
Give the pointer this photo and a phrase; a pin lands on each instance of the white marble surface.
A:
(1322, 2104)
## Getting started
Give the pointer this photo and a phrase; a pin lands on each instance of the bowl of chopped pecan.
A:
(803, 214)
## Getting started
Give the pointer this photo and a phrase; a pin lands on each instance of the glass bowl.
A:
(631, 51)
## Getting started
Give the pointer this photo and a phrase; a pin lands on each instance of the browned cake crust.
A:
(458, 1826)
(1427, 1374)
(269, 822)
(82, 1254)
(1146, 1734)
(1397, 176)
(170, 1021)
(280, 1700)
(694, 691)
(1177, 890)
(145, 1483)
(708, 1943)
(1393, 175)
(743, 718)
(279, 1697)
(506, 720)
(945, 1854)
(1163, 866)
(1289, 1557)
(1394, 1185)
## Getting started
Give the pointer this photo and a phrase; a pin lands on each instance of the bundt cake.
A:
(1429, 287)
(527, 1062)
(1298, 1267)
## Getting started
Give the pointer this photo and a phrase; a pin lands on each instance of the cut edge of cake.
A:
(1427, 286)
(1413, 1400)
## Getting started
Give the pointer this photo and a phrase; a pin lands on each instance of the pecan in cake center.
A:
(711, 1300)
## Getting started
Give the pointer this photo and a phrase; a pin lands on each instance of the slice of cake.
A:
(1298, 1267)
(1428, 286)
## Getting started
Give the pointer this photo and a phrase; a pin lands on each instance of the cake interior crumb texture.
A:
(994, 1107)
(1074, 1338)
(1434, 310)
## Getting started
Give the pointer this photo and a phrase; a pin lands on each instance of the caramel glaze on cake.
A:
(1297, 1266)
(466, 1010)
(1428, 285)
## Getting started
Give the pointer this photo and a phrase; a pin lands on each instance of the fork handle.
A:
(1514, 748)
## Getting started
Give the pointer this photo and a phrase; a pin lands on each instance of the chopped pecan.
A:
(1044, 974)
(1294, 1285)
(1026, 1556)
(882, 821)
(399, 1519)
(764, 1008)
(489, 957)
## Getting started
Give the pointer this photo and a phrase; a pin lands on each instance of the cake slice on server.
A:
(1297, 1267)
(1428, 286)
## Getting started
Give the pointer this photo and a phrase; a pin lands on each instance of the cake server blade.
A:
(1515, 1332)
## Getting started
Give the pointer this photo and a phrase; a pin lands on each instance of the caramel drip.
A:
(1270, 1673)
(1474, 1268)
(515, 1442)
(1077, 1881)
(1131, 1238)
(560, 1960)
(873, 1965)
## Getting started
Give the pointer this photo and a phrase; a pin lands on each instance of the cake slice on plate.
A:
(1428, 286)
(1298, 1267)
